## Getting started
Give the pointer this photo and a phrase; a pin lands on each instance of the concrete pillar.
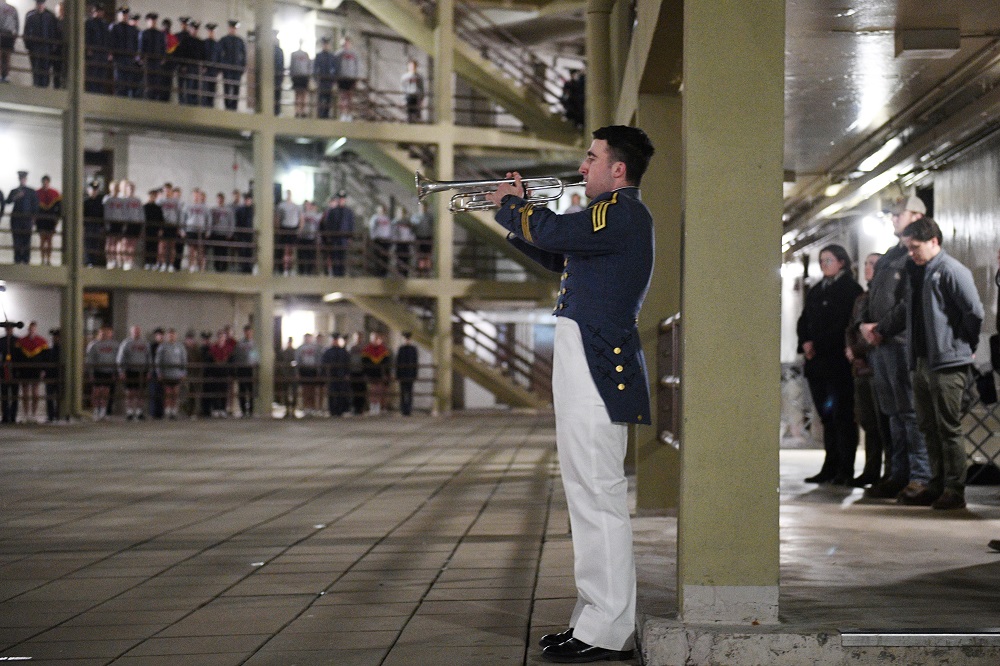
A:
(728, 559)
(600, 108)
(264, 27)
(73, 343)
(444, 250)
(619, 33)
(263, 222)
(657, 464)
(444, 63)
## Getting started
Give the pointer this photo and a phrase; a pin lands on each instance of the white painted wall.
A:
(26, 303)
(30, 142)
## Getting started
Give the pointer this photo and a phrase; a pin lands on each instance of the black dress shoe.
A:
(575, 651)
(820, 478)
(555, 639)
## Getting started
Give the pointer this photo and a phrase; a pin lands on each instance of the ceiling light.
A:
(880, 155)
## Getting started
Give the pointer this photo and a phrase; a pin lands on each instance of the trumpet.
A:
(471, 194)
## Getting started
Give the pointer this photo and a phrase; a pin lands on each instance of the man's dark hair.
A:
(840, 253)
(629, 145)
(923, 230)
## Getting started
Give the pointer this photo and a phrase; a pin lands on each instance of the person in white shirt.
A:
(288, 218)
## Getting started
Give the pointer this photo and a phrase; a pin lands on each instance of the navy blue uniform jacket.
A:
(605, 253)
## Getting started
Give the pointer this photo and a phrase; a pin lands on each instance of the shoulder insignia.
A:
(526, 213)
(599, 213)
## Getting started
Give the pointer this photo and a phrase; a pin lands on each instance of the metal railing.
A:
(668, 393)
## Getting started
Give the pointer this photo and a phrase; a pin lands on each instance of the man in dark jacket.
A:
(124, 43)
(41, 35)
(153, 47)
(23, 212)
(210, 72)
(943, 318)
(233, 58)
(407, 365)
(336, 363)
(325, 73)
(96, 41)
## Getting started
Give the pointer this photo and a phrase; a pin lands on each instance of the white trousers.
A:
(592, 462)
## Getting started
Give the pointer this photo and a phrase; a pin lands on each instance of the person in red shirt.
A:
(377, 362)
(50, 210)
(33, 348)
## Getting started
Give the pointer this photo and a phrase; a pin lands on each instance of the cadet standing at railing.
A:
(124, 43)
(101, 360)
(9, 27)
(173, 216)
(221, 232)
(325, 73)
(153, 214)
(210, 72)
(49, 213)
(246, 358)
(348, 72)
(171, 361)
(243, 236)
(41, 33)
(53, 376)
(233, 55)
(96, 39)
(153, 46)
(22, 217)
(93, 226)
(134, 365)
(279, 74)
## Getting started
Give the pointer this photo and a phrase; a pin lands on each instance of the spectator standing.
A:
(210, 71)
(49, 214)
(196, 226)
(309, 239)
(102, 360)
(96, 41)
(223, 226)
(575, 204)
(403, 238)
(407, 367)
(336, 362)
(377, 360)
(279, 74)
(866, 411)
(289, 219)
(124, 45)
(307, 358)
(53, 376)
(195, 373)
(243, 235)
(9, 29)
(423, 229)
(171, 361)
(153, 49)
(348, 73)
(246, 358)
(893, 385)
(41, 34)
(359, 387)
(134, 365)
(325, 73)
(33, 348)
(25, 207)
(233, 62)
(154, 224)
(217, 374)
(190, 55)
(156, 396)
(114, 222)
(300, 68)
(380, 231)
(10, 355)
(173, 215)
(339, 222)
(573, 97)
(59, 59)
(286, 388)
(93, 226)
(412, 84)
(133, 227)
(943, 318)
(825, 317)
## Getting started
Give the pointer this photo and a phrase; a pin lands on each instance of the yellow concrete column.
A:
(444, 252)
(728, 559)
(72, 338)
(444, 63)
(264, 27)
(263, 222)
(657, 464)
(600, 110)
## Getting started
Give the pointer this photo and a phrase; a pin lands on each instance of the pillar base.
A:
(730, 604)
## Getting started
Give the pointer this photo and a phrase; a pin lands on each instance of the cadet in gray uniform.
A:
(171, 367)
(101, 361)
(134, 365)
(605, 254)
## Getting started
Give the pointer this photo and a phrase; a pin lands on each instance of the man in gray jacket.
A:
(943, 318)
(909, 469)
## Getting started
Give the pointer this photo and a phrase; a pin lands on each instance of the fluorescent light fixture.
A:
(792, 269)
(338, 144)
(880, 155)
(834, 189)
(334, 297)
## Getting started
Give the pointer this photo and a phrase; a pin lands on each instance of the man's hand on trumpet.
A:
(515, 189)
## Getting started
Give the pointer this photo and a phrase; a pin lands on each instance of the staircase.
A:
(508, 380)
(509, 80)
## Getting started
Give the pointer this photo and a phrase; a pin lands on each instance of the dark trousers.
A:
(324, 101)
(359, 393)
(405, 397)
(52, 400)
(833, 395)
(876, 427)
(338, 397)
(231, 90)
(245, 390)
(220, 253)
(22, 246)
(9, 389)
(937, 397)
(41, 68)
(208, 89)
